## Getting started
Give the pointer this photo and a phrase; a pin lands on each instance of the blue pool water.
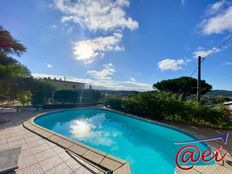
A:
(149, 148)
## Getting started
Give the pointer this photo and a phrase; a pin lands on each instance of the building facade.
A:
(64, 84)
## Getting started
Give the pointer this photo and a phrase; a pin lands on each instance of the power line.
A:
(214, 51)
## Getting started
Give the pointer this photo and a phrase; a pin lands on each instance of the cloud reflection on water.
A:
(91, 131)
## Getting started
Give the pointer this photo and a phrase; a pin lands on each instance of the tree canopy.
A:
(185, 86)
(8, 44)
(16, 81)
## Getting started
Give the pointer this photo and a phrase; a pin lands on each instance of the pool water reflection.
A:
(149, 148)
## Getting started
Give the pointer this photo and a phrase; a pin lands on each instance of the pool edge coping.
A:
(90, 154)
(125, 165)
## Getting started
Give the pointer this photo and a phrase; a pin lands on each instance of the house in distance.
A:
(64, 84)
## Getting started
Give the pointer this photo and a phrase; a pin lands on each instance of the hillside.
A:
(220, 93)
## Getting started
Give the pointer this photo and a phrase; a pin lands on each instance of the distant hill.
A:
(117, 93)
(224, 93)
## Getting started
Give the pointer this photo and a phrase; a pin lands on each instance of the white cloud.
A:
(171, 64)
(216, 7)
(103, 84)
(102, 17)
(87, 50)
(104, 74)
(132, 79)
(218, 18)
(49, 66)
(204, 53)
(96, 15)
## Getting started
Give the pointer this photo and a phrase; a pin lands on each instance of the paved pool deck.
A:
(40, 155)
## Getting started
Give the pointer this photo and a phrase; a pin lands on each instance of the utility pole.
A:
(199, 80)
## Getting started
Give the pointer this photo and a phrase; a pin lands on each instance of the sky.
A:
(122, 44)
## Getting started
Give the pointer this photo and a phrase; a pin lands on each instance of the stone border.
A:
(94, 156)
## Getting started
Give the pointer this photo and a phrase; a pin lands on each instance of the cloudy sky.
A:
(122, 44)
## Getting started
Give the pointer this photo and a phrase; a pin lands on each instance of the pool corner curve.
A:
(102, 160)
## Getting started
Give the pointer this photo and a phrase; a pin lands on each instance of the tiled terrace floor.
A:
(41, 156)
(38, 155)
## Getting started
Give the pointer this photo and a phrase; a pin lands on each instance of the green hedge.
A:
(77, 96)
(167, 106)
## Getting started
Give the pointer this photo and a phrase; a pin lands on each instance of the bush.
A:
(24, 97)
(41, 91)
(114, 103)
(167, 106)
(77, 96)
(67, 96)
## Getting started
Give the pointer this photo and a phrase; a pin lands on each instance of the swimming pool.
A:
(148, 147)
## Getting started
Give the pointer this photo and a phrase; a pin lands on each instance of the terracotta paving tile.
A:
(38, 142)
(51, 163)
(33, 169)
(46, 134)
(38, 130)
(65, 143)
(93, 156)
(28, 134)
(45, 154)
(86, 167)
(55, 138)
(58, 150)
(19, 143)
(78, 149)
(110, 164)
(26, 153)
(123, 170)
(27, 161)
(73, 164)
(32, 138)
(84, 170)
(41, 148)
(23, 146)
(64, 156)
(62, 169)
(16, 138)
(51, 144)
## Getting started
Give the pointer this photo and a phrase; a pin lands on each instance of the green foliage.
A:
(77, 96)
(214, 100)
(117, 93)
(41, 91)
(114, 102)
(12, 73)
(184, 86)
(8, 44)
(15, 79)
(67, 96)
(89, 96)
(167, 106)
(152, 104)
(24, 97)
(12, 76)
